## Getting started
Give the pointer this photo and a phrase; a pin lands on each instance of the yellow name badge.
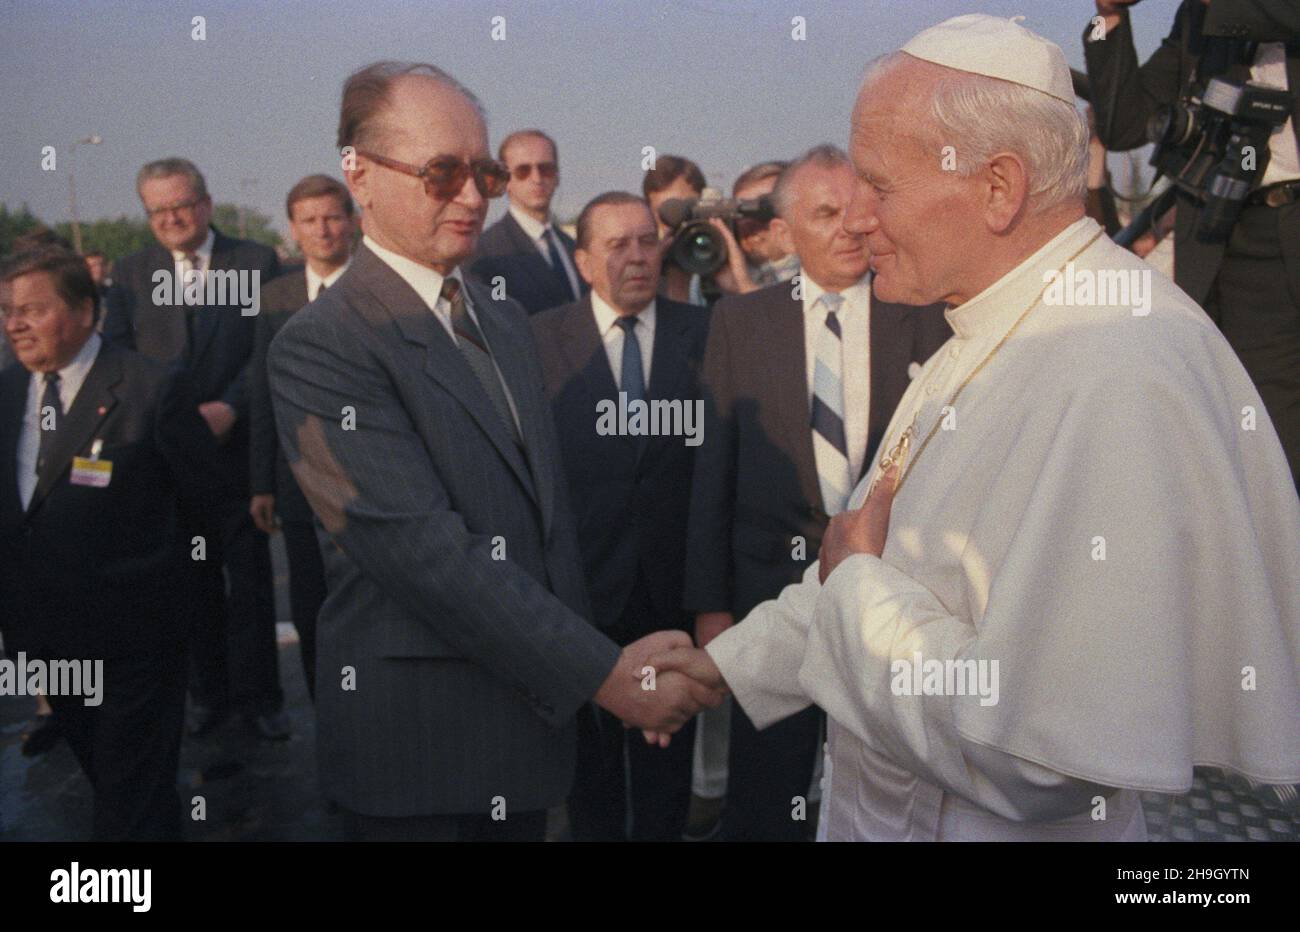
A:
(94, 473)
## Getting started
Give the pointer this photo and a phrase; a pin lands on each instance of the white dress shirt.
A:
(855, 335)
(71, 378)
(203, 254)
(427, 283)
(537, 232)
(612, 336)
(1284, 161)
(315, 282)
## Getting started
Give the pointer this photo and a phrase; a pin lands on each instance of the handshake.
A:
(659, 684)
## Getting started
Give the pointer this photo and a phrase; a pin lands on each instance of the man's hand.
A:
(694, 663)
(262, 508)
(860, 531)
(709, 625)
(220, 417)
(734, 278)
(642, 697)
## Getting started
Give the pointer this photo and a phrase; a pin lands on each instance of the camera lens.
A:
(699, 249)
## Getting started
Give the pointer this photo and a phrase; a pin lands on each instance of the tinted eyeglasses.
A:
(445, 175)
(545, 170)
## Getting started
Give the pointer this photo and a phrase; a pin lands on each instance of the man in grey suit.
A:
(454, 651)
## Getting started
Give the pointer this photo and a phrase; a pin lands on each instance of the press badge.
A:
(93, 472)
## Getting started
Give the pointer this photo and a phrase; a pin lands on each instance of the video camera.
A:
(1202, 146)
(697, 247)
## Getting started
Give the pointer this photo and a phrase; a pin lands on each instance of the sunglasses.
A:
(445, 175)
(545, 170)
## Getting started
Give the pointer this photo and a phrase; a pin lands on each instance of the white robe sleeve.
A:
(870, 615)
(760, 657)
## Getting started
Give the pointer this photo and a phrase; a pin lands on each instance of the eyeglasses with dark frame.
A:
(545, 170)
(183, 207)
(445, 175)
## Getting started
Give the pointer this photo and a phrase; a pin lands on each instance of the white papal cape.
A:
(1111, 519)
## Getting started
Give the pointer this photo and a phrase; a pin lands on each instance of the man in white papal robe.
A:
(1101, 535)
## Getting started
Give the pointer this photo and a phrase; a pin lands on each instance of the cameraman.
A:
(1250, 285)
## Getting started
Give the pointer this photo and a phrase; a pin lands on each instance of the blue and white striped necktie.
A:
(830, 449)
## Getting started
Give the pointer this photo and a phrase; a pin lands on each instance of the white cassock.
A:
(1093, 432)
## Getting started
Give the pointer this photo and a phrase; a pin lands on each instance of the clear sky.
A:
(255, 104)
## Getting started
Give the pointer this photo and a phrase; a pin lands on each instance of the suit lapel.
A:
(532, 263)
(94, 402)
(788, 386)
(584, 351)
(510, 348)
(443, 361)
(13, 405)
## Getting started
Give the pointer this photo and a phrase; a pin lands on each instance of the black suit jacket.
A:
(218, 355)
(755, 485)
(1199, 32)
(631, 495)
(455, 584)
(504, 249)
(271, 475)
(91, 572)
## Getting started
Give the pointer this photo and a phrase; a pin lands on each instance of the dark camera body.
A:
(1202, 145)
(697, 247)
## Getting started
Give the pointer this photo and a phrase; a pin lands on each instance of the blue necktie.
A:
(557, 264)
(829, 447)
(633, 380)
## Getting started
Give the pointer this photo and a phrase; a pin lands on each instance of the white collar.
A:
(427, 282)
(529, 223)
(856, 295)
(204, 252)
(606, 316)
(74, 372)
(999, 305)
(314, 281)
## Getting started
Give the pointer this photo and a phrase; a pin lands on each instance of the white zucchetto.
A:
(996, 48)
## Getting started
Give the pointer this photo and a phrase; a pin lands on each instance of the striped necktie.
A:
(472, 345)
(830, 449)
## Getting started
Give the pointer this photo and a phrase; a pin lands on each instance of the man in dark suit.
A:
(631, 495)
(800, 381)
(1250, 284)
(193, 298)
(99, 447)
(525, 250)
(454, 651)
(320, 221)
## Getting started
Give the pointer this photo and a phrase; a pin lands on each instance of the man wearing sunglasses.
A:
(455, 649)
(525, 248)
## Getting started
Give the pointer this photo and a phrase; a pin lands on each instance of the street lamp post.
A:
(92, 140)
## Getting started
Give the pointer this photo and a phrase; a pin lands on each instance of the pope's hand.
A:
(860, 531)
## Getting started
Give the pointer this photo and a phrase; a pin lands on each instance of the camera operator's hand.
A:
(734, 278)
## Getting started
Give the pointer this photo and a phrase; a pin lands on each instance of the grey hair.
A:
(981, 116)
(169, 168)
(824, 155)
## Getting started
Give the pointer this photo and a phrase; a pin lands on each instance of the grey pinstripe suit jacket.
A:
(469, 668)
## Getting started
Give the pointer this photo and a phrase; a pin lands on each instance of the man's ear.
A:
(582, 259)
(358, 182)
(1006, 191)
(780, 230)
(86, 313)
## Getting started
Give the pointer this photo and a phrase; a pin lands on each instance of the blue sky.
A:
(255, 104)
